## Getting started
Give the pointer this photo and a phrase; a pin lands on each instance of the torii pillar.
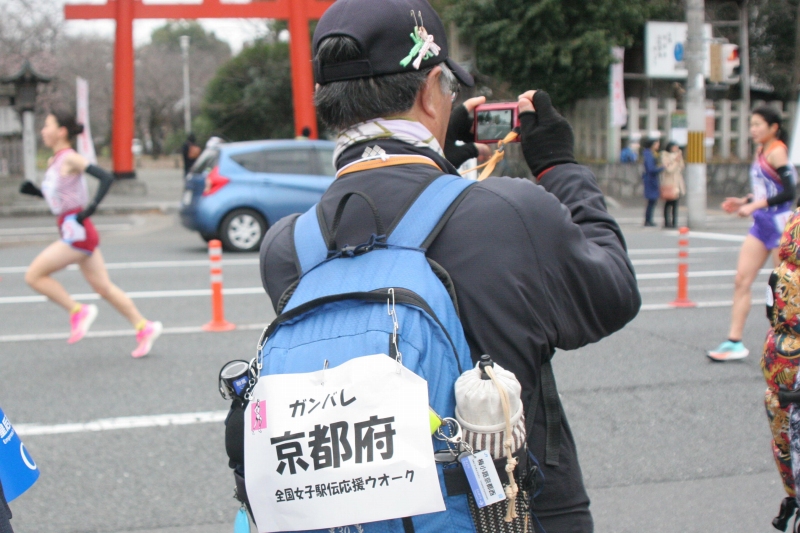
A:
(298, 12)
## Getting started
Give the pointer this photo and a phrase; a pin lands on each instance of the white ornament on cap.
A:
(427, 46)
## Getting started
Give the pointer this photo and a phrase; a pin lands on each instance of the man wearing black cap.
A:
(5, 514)
(536, 266)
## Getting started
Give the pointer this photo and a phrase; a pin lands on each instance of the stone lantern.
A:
(26, 83)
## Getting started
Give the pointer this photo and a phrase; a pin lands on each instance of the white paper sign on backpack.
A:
(341, 446)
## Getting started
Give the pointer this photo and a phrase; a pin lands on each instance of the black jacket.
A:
(5, 514)
(535, 268)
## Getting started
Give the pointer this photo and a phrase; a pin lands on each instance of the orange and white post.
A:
(683, 271)
(218, 322)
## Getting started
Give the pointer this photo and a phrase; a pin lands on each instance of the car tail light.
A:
(214, 182)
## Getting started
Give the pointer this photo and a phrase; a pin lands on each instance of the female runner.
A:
(773, 182)
(64, 189)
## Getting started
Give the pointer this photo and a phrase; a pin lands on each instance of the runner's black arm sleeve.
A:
(788, 192)
(106, 179)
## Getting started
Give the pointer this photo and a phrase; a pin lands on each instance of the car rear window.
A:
(325, 162)
(207, 160)
(295, 161)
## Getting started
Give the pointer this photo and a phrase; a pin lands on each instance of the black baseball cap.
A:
(383, 30)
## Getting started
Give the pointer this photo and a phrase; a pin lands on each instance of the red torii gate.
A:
(298, 12)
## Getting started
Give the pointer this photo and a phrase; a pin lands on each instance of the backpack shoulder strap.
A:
(309, 241)
(424, 215)
(421, 220)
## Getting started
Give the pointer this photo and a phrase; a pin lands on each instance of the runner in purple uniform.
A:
(773, 181)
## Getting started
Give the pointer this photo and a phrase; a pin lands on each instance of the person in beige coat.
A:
(672, 184)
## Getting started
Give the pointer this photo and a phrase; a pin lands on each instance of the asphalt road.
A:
(668, 441)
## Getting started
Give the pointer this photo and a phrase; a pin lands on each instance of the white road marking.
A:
(147, 264)
(125, 422)
(663, 261)
(181, 330)
(711, 236)
(136, 295)
(692, 288)
(692, 250)
(696, 274)
(700, 305)
(47, 230)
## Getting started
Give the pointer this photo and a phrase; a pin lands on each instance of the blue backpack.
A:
(338, 310)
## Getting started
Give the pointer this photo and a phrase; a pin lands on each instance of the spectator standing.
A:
(583, 288)
(628, 154)
(5, 514)
(672, 183)
(190, 151)
(652, 171)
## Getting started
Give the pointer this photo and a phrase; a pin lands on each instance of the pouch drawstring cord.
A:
(511, 463)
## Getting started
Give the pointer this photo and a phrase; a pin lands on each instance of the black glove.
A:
(461, 123)
(547, 138)
(86, 213)
(29, 188)
(459, 130)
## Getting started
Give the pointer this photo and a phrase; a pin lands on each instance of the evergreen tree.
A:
(251, 95)
(773, 32)
(563, 46)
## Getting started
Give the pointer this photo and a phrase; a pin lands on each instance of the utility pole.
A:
(744, 52)
(695, 115)
(187, 99)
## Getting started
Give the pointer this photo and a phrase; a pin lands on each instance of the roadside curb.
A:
(108, 209)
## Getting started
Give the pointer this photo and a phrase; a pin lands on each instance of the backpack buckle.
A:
(374, 242)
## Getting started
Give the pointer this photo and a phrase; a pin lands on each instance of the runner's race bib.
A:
(340, 446)
(72, 230)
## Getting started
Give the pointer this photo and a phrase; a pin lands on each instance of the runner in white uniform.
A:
(64, 189)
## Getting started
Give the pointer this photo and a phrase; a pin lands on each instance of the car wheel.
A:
(242, 230)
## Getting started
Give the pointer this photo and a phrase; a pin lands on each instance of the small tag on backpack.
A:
(483, 478)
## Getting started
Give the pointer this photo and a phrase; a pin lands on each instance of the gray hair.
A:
(340, 104)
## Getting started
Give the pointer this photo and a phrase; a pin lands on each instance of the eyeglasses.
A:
(455, 88)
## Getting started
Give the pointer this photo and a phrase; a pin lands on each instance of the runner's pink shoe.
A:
(146, 337)
(80, 322)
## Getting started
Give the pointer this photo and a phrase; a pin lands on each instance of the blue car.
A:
(236, 191)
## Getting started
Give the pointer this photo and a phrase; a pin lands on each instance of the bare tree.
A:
(29, 27)
(159, 78)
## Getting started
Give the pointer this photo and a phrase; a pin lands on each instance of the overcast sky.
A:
(235, 32)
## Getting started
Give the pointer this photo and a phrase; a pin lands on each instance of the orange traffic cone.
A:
(683, 271)
(218, 322)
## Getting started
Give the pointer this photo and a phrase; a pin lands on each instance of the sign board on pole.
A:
(620, 110)
(84, 140)
(679, 134)
(665, 50)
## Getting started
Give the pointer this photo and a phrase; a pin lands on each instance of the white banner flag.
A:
(618, 88)
(338, 447)
(84, 140)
